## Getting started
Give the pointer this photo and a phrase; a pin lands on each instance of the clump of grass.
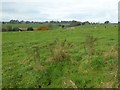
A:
(59, 51)
(90, 44)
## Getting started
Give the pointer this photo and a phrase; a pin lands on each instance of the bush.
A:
(63, 26)
(42, 28)
(29, 29)
(107, 22)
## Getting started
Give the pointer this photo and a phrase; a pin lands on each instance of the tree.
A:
(106, 22)
(29, 29)
(63, 26)
(74, 23)
(3, 22)
(14, 21)
(27, 22)
(86, 22)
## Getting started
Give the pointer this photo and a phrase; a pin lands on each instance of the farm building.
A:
(23, 29)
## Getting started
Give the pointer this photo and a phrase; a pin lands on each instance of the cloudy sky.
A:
(43, 10)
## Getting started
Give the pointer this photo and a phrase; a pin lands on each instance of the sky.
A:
(60, 10)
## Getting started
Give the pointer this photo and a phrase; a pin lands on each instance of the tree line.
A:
(49, 25)
(62, 22)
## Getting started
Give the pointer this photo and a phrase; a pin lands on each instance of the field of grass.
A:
(83, 57)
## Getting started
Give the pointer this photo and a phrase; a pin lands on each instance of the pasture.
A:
(83, 57)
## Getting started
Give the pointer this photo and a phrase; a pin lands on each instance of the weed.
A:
(59, 51)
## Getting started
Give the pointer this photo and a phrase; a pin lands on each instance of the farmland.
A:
(82, 57)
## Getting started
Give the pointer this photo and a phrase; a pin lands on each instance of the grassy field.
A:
(81, 57)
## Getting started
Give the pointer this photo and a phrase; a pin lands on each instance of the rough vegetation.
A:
(84, 57)
(42, 28)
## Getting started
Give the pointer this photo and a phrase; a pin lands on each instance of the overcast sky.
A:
(43, 10)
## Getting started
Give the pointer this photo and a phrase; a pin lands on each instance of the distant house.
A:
(23, 29)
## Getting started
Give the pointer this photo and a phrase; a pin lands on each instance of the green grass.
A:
(31, 59)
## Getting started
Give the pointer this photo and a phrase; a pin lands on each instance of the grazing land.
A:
(80, 57)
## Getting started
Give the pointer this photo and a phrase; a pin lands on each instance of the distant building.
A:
(23, 29)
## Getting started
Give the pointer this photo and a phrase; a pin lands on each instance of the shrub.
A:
(42, 28)
(62, 26)
(107, 22)
(29, 29)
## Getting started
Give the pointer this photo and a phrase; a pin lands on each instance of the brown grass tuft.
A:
(43, 28)
(59, 51)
